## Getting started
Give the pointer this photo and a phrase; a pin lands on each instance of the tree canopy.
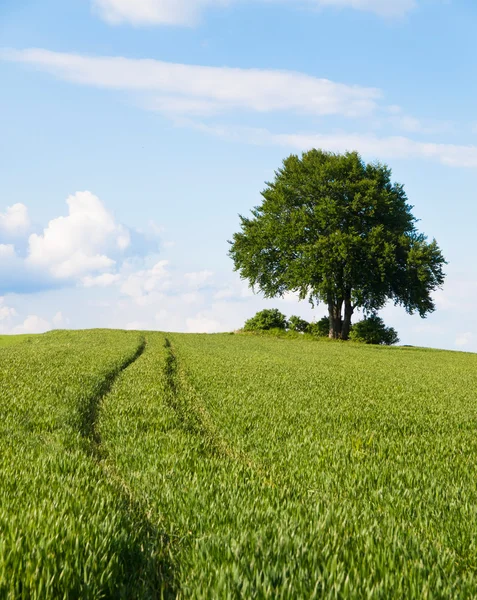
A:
(337, 230)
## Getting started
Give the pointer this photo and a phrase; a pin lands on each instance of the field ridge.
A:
(88, 426)
(157, 580)
(185, 399)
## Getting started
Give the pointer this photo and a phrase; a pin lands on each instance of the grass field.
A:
(149, 465)
(13, 340)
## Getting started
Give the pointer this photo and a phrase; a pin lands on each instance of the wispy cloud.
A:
(398, 147)
(188, 12)
(187, 92)
(201, 89)
(385, 147)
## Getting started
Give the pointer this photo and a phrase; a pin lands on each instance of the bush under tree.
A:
(320, 328)
(298, 324)
(270, 318)
(372, 330)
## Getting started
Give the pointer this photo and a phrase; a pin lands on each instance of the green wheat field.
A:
(150, 465)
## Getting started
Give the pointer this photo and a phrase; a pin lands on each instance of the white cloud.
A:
(86, 246)
(183, 92)
(202, 323)
(32, 324)
(77, 264)
(75, 245)
(6, 312)
(123, 239)
(142, 283)
(464, 339)
(59, 320)
(151, 12)
(389, 147)
(239, 290)
(207, 88)
(386, 147)
(188, 12)
(224, 294)
(198, 279)
(7, 250)
(15, 220)
(192, 298)
(104, 280)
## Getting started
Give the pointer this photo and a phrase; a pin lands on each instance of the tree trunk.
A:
(348, 313)
(336, 322)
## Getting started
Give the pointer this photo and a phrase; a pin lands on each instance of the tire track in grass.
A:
(66, 532)
(156, 578)
(195, 418)
(89, 417)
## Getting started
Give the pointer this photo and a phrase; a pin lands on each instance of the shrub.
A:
(270, 318)
(320, 328)
(373, 331)
(298, 324)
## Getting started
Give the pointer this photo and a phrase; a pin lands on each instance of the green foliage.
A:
(269, 318)
(372, 330)
(338, 231)
(320, 328)
(298, 324)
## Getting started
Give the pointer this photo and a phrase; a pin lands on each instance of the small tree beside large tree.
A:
(336, 230)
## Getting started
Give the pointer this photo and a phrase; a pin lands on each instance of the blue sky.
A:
(133, 132)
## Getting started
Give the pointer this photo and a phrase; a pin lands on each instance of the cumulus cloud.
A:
(188, 12)
(32, 324)
(198, 279)
(6, 312)
(140, 284)
(15, 220)
(202, 323)
(199, 89)
(237, 291)
(104, 280)
(86, 247)
(76, 244)
(59, 320)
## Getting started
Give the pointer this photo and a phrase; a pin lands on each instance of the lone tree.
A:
(336, 230)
